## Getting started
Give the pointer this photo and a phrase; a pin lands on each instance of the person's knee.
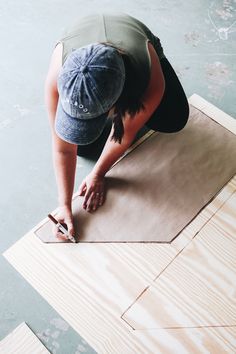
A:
(185, 115)
(182, 118)
(172, 120)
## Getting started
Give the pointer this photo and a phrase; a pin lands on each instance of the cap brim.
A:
(78, 131)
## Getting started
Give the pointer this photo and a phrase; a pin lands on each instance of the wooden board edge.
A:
(26, 330)
(213, 112)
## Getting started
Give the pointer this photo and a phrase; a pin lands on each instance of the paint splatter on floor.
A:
(83, 348)
(60, 324)
(226, 9)
(192, 37)
(51, 336)
(218, 76)
(222, 18)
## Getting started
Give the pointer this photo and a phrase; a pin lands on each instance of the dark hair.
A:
(130, 98)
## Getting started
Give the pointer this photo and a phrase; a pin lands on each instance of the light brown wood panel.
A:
(198, 288)
(22, 341)
(91, 285)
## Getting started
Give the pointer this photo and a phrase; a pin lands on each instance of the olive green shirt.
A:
(121, 30)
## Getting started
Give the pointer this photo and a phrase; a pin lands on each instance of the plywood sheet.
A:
(198, 288)
(92, 284)
(22, 341)
(156, 190)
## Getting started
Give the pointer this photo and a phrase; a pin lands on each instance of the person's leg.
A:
(172, 113)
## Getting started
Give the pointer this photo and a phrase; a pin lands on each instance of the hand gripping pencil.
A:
(62, 228)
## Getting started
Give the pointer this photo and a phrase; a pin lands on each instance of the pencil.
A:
(62, 228)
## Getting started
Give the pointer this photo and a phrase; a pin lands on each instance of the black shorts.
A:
(173, 111)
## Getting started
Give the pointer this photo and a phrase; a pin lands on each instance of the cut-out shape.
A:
(157, 189)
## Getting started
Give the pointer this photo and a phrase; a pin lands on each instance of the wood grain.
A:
(92, 285)
(207, 340)
(198, 288)
(22, 341)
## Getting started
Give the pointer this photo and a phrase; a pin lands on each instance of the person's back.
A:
(119, 29)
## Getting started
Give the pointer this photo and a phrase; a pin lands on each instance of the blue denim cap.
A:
(89, 83)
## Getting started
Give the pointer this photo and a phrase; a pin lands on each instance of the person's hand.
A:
(65, 217)
(93, 190)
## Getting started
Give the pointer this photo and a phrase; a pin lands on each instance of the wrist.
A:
(98, 173)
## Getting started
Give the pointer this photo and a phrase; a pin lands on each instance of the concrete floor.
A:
(199, 39)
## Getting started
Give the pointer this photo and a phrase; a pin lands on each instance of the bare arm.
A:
(93, 186)
(64, 154)
(153, 95)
